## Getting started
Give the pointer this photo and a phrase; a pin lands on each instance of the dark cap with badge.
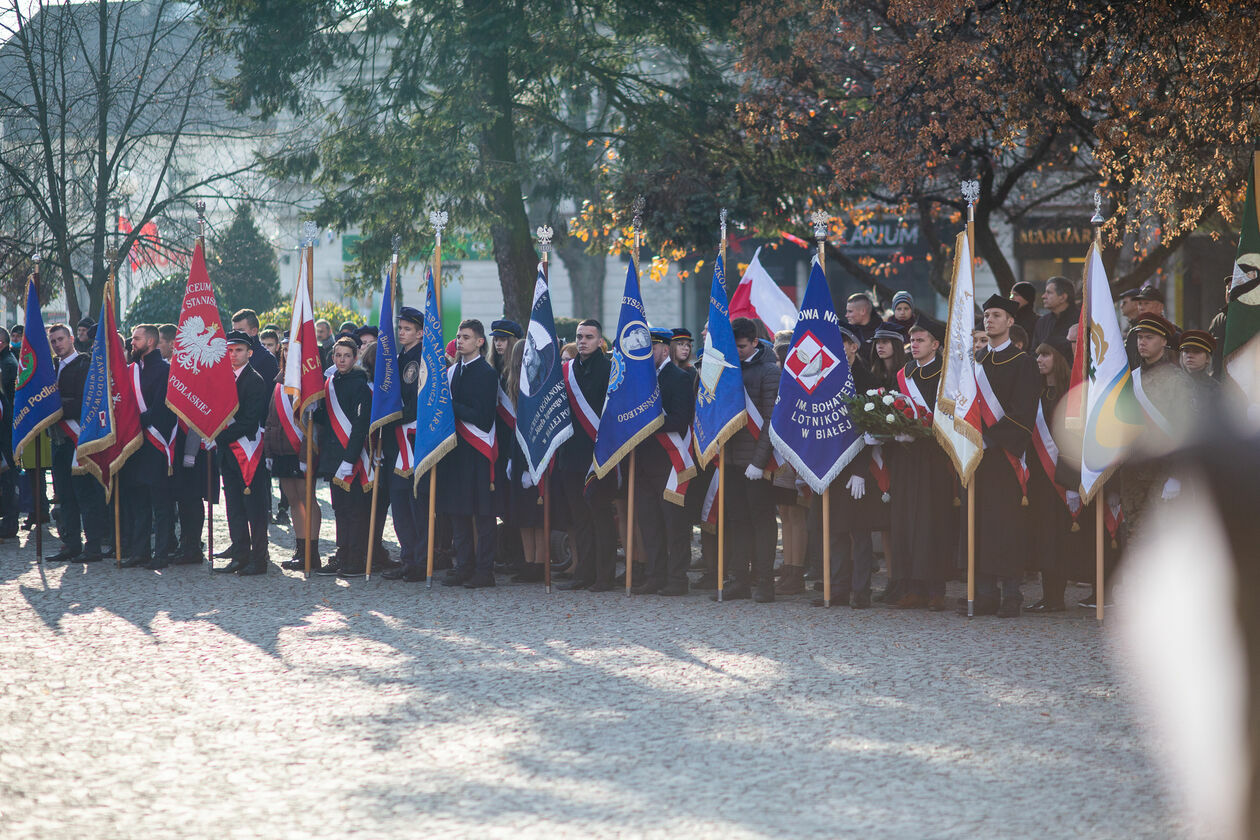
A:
(1198, 340)
(661, 335)
(1150, 292)
(1158, 325)
(239, 337)
(410, 313)
(682, 334)
(503, 328)
(1007, 305)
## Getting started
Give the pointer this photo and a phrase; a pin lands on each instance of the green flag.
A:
(1242, 318)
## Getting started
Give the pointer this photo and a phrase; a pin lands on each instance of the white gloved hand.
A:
(800, 485)
(190, 461)
(1172, 489)
(345, 470)
(269, 462)
(526, 481)
(904, 439)
(870, 439)
(754, 473)
(1073, 501)
(857, 486)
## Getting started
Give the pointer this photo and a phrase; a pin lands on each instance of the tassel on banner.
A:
(957, 502)
(1023, 502)
(1076, 526)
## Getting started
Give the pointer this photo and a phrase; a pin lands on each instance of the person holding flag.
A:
(1007, 391)
(408, 501)
(466, 489)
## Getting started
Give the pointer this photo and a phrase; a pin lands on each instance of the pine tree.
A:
(244, 266)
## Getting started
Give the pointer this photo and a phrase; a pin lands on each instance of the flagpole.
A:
(39, 461)
(309, 230)
(971, 192)
(544, 244)
(721, 473)
(638, 240)
(1101, 495)
(375, 451)
(201, 239)
(819, 217)
(438, 219)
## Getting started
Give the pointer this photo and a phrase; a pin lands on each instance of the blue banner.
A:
(632, 409)
(810, 426)
(386, 386)
(543, 417)
(435, 416)
(36, 400)
(720, 401)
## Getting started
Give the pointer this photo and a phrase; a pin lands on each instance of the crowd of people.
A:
(489, 514)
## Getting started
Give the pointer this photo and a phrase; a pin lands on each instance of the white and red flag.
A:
(201, 389)
(760, 298)
(303, 373)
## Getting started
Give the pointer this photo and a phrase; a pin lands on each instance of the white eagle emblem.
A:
(196, 345)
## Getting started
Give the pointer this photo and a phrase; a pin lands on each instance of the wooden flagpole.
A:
(309, 231)
(438, 219)
(544, 244)
(39, 464)
(721, 472)
(201, 239)
(638, 240)
(820, 219)
(1101, 496)
(971, 192)
(375, 450)
(110, 301)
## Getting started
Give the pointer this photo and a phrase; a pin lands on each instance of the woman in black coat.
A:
(344, 417)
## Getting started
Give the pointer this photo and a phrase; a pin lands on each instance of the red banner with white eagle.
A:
(201, 389)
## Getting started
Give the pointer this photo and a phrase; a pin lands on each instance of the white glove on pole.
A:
(345, 470)
(526, 481)
(1073, 501)
(1172, 489)
(870, 439)
(904, 439)
(269, 462)
(754, 473)
(191, 460)
(857, 486)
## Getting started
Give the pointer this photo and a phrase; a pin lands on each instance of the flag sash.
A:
(341, 426)
(486, 443)
(405, 435)
(682, 467)
(293, 433)
(582, 409)
(911, 389)
(1152, 412)
(248, 454)
(879, 471)
(151, 434)
(70, 428)
(1048, 454)
(505, 409)
(755, 423)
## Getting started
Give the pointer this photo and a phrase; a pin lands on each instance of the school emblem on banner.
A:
(809, 362)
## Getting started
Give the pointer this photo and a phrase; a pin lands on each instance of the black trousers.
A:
(594, 529)
(352, 510)
(664, 525)
(411, 520)
(753, 530)
(151, 511)
(470, 562)
(191, 507)
(82, 515)
(247, 513)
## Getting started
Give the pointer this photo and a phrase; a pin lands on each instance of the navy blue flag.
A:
(543, 417)
(36, 401)
(435, 415)
(810, 426)
(386, 386)
(632, 409)
(720, 401)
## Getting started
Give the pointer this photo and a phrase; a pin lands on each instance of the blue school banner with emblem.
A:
(36, 400)
(810, 427)
(386, 387)
(435, 416)
(632, 409)
(543, 418)
(720, 402)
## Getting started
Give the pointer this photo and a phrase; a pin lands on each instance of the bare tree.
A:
(108, 106)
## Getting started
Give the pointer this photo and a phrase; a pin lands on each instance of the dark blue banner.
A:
(543, 417)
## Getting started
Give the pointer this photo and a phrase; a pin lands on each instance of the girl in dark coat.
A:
(343, 419)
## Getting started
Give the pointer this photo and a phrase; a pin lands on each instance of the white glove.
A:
(857, 486)
(526, 481)
(799, 485)
(1172, 489)
(753, 473)
(1073, 501)
(269, 462)
(870, 439)
(904, 439)
(508, 470)
(190, 461)
(345, 470)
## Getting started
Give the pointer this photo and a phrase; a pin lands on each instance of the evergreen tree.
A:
(244, 266)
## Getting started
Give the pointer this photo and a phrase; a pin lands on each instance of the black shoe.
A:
(190, 558)
(738, 592)
(706, 581)
(230, 551)
(649, 587)
(65, 555)
(674, 589)
(529, 573)
(410, 574)
(331, 569)
(1042, 607)
(479, 582)
(862, 601)
(254, 567)
(132, 562)
(603, 587)
(575, 584)
(90, 557)
(351, 571)
(235, 566)
(1010, 607)
(1090, 602)
(454, 578)
(157, 563)
(763, 593)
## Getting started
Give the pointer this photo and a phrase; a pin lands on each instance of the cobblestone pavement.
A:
(178, 704)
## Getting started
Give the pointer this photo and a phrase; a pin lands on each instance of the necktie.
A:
(459, 370)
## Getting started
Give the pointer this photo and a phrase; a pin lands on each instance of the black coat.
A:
(150, 464)
(8, 383)
(575, 454)
(253, 394)
(71, 381)
(464, 476)
(1054, 326)
(262, 361)
(354, 395)
(680, 409)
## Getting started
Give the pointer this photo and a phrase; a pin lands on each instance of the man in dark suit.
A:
(410, 503)
(663, 522)
(246, 496)
(146, 475)
(465, 477)
(82, 520)
(8, 483)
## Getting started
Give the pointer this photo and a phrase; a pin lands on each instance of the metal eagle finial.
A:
(1098, 216)
(971, 191)
(544, 234)
(819, 218)
(438, 219)
(637, 207)
(309, 231)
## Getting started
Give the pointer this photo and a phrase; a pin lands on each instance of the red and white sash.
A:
(992, 413)
(70, 428)
(507, 411)
(754, 425)
(164, 445)
(910, 388)
(1154, 416)
(293, 432)
(582, 410)
(341, 426)
(682, 466)
(879, 471)
(483, 442)
(1048, 454)
(248, 452)
(405, 434)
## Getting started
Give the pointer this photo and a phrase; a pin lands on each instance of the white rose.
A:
(890, 417)
(872, 392)
(888, 399)
(869, 407)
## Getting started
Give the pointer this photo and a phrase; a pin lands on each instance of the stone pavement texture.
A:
(178, 704)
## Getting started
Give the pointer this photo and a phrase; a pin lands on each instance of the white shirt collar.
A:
(998, 348)
(74, 354)
(662, 364)
(236, 372)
